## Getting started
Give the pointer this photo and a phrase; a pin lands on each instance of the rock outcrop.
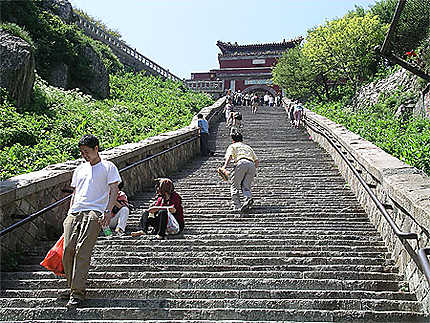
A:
(98, 82)
(60, 8)
(370, 93)
(59, 76)
(17, 66)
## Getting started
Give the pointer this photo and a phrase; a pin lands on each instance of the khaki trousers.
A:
(80, 234)
(241, 180)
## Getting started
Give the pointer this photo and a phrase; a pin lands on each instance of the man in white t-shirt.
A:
(95, 185)
(246, 163)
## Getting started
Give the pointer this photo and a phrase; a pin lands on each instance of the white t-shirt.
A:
(91, 184)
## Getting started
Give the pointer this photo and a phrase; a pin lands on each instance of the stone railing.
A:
(25, 194)
(403, 190)
(125, 53)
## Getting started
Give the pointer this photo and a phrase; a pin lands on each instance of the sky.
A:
(181, 35)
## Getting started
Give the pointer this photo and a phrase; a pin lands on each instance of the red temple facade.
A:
(247, 68)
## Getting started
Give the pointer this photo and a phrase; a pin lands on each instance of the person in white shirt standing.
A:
(246, 163)
(95, 185)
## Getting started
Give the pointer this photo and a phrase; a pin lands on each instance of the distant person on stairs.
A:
(298, 114)
(254, 103)
(157, 214)
(228, 110)
(204, 134)
(95, 185)
(246, 163)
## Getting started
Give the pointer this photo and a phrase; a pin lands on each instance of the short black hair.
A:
(200, 116)
(89, 141)
(237, 137)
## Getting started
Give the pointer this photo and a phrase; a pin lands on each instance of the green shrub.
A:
(57, 42)
(47, 133)
(408, 140)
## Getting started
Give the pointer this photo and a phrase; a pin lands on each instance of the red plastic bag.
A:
(54, 258)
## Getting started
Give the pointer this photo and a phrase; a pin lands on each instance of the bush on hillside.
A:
(47, 133)
(336, 56)
(56, 42)
(408, 140)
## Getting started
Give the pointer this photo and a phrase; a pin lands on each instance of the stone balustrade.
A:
(403, 189)
(25, 194)
(127, 55)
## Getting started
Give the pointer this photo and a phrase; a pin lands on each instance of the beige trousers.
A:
(241, 180)
(80, 234)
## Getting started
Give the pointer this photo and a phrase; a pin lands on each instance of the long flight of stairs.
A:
(305, 253)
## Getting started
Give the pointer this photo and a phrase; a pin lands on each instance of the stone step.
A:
(291, 234)
(178, 248)
(226, 267)
(317, 254)
(145, 244)
(273, 293)
(8, 278)
(136, 313)
(311, 304)
(216, 283)
(146, 321)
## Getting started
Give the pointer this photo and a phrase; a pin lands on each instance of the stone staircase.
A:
(305, 253)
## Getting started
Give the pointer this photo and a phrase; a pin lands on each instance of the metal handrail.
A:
(141, 58)
(422, 252)
(35, 215)
(379, 205)
(425, 265)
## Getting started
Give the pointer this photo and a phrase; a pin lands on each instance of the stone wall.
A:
(403, 189)
(25, 194)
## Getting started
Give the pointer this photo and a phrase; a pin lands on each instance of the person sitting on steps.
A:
(157, 214)
(120, 213)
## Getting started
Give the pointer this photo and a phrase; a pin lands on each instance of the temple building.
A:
(247, 68)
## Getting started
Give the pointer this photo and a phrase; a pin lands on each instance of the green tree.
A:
(294, 73)
(343, 49)
(413, 25)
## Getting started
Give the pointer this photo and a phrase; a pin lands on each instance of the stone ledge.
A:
(404, 183)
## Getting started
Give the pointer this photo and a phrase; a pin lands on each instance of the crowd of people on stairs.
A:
(99, 204)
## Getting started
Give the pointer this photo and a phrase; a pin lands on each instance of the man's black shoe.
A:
(247, 205)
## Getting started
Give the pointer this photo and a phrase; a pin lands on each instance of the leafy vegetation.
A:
(413, 26)
(408, 140)
(56, 41)
(47, 133)
(338, 57)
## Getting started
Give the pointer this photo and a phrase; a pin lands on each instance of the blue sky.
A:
(181, 35)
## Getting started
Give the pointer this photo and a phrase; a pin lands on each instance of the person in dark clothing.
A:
(157, 214)
(204, 135)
